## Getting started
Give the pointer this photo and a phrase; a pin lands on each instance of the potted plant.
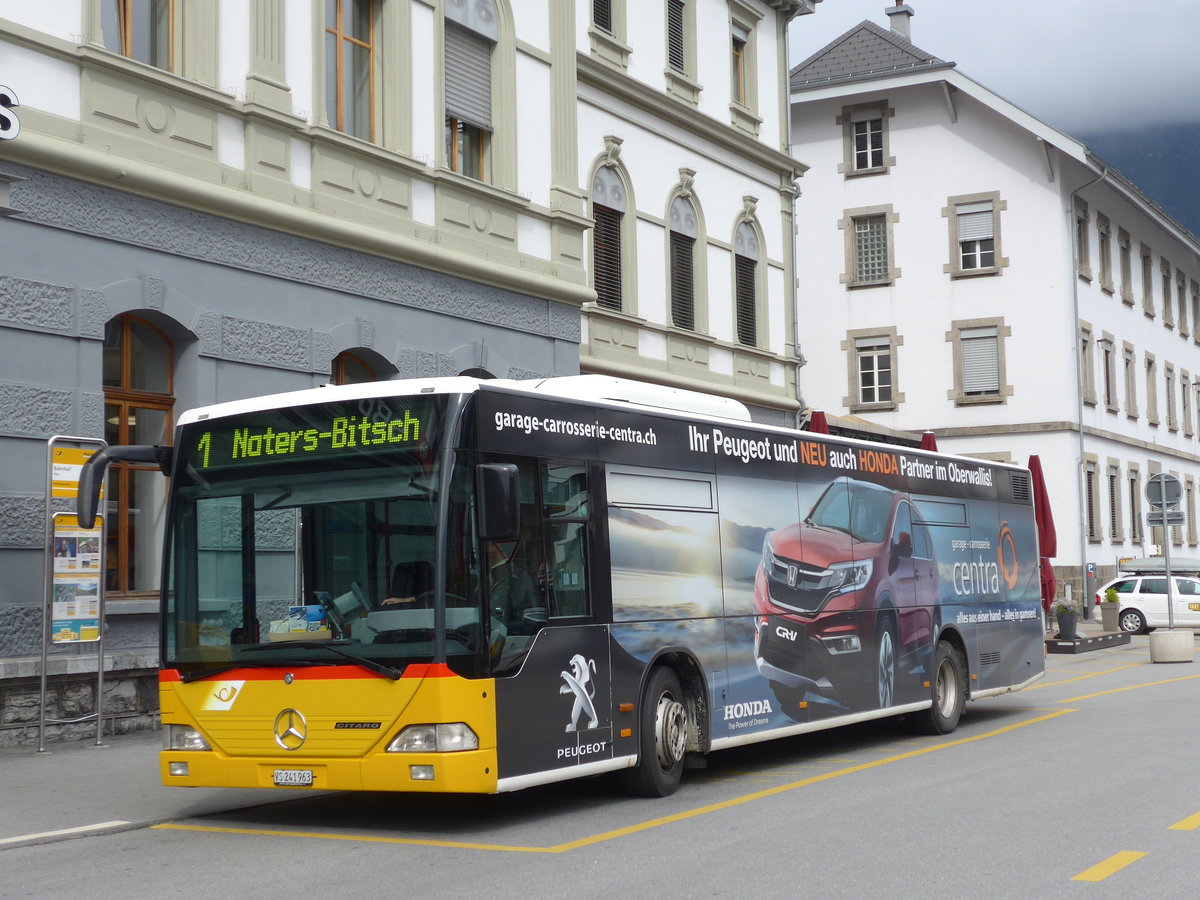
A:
(1067, 615)
(1109, 609)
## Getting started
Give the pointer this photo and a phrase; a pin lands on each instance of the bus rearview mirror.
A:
(498, 505)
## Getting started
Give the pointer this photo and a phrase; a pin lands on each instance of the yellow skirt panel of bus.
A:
(328, 728)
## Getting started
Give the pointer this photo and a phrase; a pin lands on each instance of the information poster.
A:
(75, 613)
(66, 463)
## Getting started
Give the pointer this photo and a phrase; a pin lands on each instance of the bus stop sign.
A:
(1163, 491)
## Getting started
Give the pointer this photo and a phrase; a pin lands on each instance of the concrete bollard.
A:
(1171, 646)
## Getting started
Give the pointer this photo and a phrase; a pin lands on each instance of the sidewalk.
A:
(74, 787)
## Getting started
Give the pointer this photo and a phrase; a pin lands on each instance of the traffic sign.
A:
(1163, 490)
(1163, 517)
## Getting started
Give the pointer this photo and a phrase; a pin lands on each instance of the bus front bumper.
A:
(468, 771)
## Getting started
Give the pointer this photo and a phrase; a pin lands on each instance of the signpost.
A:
(73, 608)
(1162, 493)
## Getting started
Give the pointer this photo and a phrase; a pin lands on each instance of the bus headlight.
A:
(183, 737)
(443, 738)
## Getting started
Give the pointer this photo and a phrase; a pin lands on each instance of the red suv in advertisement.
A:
(842, 597)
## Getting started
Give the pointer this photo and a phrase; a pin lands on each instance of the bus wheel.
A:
(662, 742)
(949, 690)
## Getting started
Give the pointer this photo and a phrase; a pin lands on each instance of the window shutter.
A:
(683, 307)
(975, 221)
(675, 54)
(602, 15)
(746, 308)
(980, 361)
(468, 77)
(606, 256)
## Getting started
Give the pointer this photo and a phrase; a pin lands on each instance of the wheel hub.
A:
(670, 731)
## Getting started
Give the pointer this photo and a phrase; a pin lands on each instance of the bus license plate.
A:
(293, 777)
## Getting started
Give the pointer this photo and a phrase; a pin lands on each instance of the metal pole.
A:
(1167, 567)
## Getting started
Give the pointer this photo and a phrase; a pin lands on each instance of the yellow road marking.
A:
(1191, 823)
(641, 826)
(1114, 863)
(1132, 687)
(1049, 684)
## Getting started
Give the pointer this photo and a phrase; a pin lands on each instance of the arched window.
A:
(684, 230)
(608, 211)
(745, 283)
(471, 34)
(350, 368)
(138, 403)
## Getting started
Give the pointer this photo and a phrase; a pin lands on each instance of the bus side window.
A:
(566, 505)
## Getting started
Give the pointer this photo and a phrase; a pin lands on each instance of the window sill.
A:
(683, 87)
(744, 119)
(976, 273)
(609, 49)
(860, 285)
(989, 400)
(857, 408)
(859, 173)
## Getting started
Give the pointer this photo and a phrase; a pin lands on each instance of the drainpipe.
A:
(1083, 511)
(794, 195)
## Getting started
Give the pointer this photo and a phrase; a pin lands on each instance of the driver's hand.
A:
(393, 601)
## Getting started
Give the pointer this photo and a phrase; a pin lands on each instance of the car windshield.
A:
(321, 559)
(858, 508)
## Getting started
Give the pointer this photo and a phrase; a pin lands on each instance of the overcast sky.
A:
(1080, 65)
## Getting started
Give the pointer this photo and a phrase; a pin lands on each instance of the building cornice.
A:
(72, 160)
(629, 90)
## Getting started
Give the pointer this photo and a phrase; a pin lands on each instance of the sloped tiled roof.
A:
(864, 50)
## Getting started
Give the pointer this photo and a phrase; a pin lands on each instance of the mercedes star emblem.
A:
(290, 729)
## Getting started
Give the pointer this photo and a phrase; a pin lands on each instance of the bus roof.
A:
(590, 388)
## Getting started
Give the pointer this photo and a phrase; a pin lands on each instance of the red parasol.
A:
(817, 423)
(1043, 516)
(928, 441)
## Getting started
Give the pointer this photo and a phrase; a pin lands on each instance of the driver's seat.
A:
(411, 579)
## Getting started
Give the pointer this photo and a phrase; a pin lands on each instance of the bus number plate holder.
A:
(293, 777)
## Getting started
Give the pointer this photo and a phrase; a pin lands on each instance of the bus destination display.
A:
(328, 430)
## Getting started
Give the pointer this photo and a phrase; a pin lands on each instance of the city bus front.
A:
(322, 618)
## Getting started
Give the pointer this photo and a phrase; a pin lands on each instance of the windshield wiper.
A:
(196, 675)
(390, 671)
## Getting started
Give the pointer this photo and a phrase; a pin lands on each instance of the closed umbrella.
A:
(817, 423)
(928, 441)
(1043, 516)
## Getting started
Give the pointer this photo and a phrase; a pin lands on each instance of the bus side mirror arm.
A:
(497, 501)
(91, 476)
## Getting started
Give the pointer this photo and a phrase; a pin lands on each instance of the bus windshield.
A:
(318, 556)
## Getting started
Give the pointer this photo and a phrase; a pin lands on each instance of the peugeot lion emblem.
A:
(290, 729)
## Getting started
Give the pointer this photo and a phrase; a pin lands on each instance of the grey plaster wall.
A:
(249, 311)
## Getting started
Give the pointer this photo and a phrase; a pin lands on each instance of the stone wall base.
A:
(130, 699)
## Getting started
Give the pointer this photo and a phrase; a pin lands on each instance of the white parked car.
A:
(1144, 601)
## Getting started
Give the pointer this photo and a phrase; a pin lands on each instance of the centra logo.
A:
(750, 708)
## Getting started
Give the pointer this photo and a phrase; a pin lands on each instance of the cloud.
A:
(1080, 65)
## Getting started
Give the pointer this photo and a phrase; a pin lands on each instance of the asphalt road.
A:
(1082, 786)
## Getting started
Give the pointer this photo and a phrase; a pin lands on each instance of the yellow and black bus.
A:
(458, 585)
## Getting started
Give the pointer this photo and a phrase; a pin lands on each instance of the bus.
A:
(462, 585)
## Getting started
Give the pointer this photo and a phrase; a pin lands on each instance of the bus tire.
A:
(948, 688)
(662, 737)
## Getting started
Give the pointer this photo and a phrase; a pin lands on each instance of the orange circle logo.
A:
(1006, 538)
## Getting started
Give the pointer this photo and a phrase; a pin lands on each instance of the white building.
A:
(967, 269)
(683, 151)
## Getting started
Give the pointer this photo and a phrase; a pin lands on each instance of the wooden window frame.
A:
(340, 39)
